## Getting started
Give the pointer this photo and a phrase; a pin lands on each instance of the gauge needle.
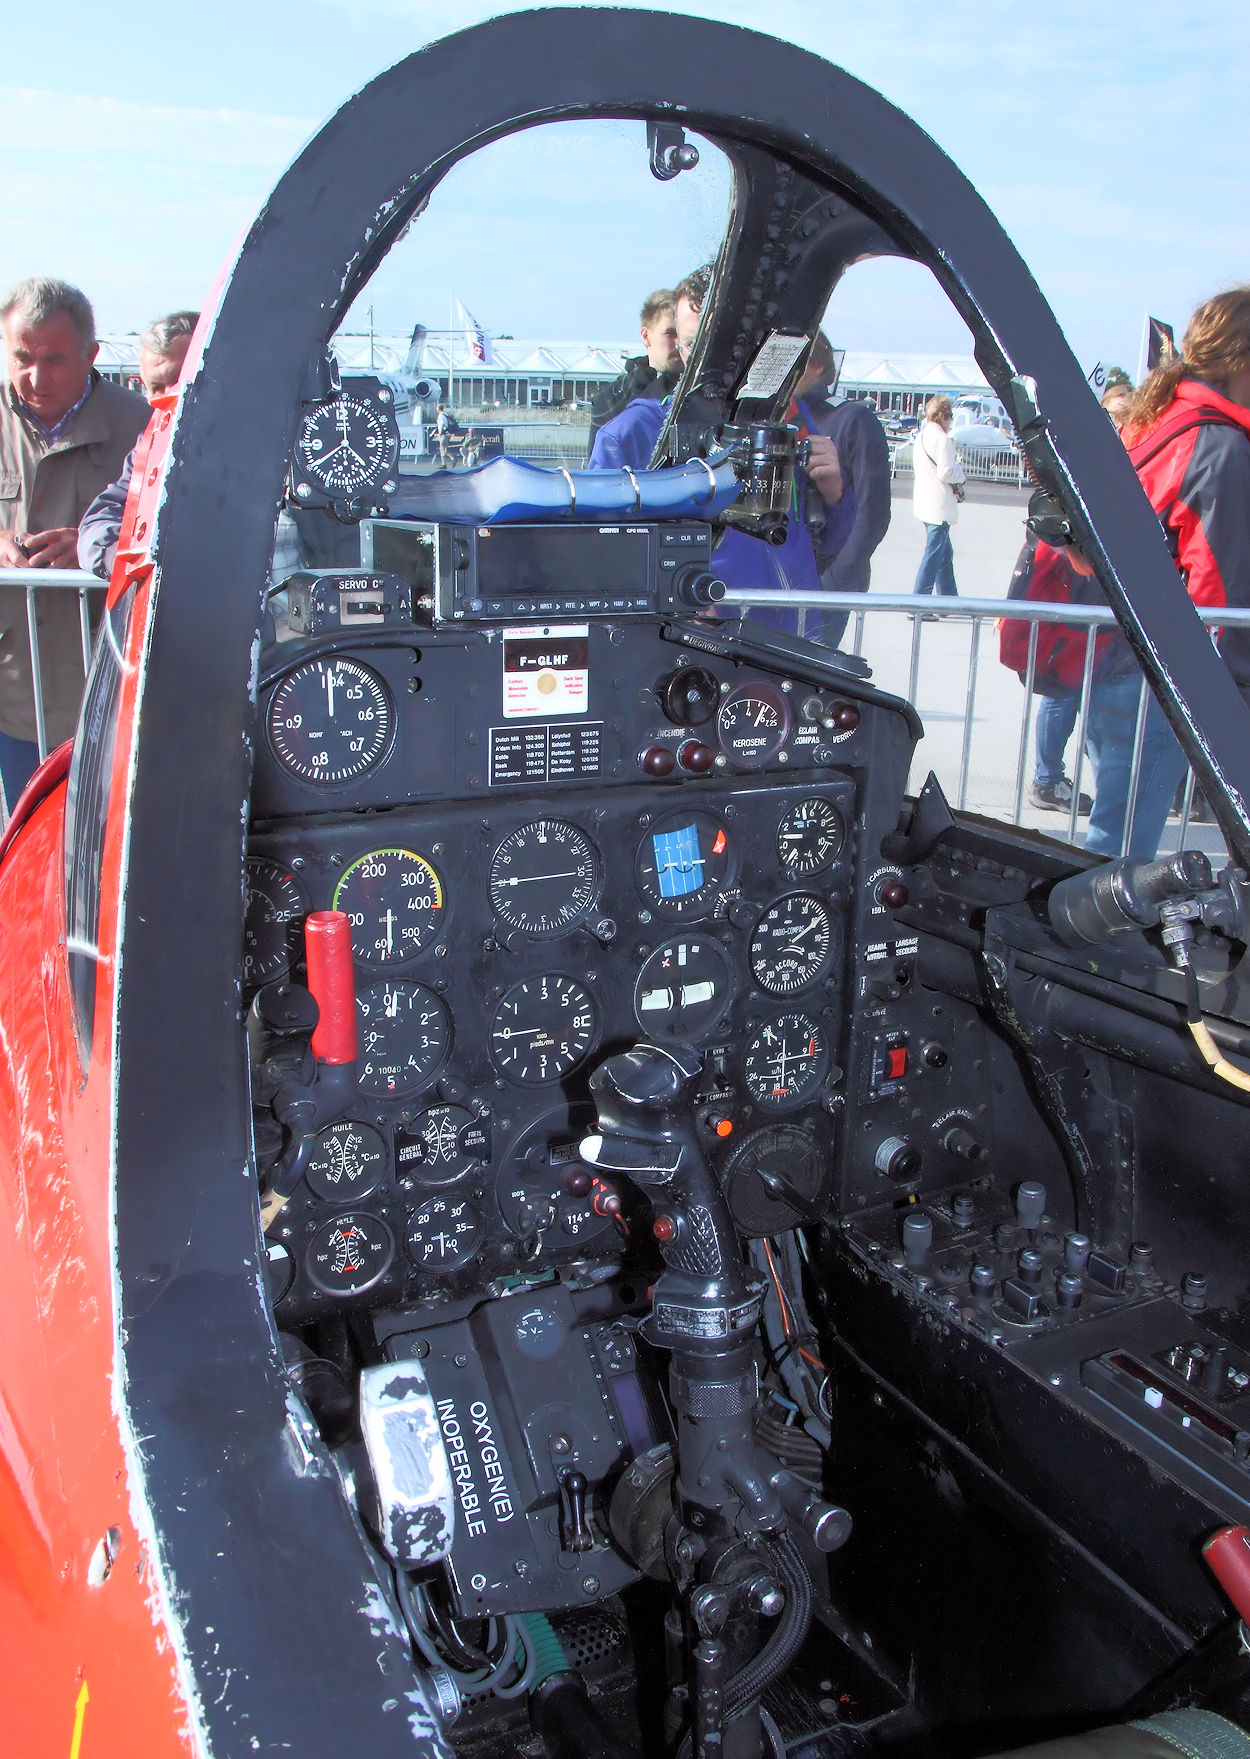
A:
(525, 879)
(330, 690)
(800, 932)
(390, 923)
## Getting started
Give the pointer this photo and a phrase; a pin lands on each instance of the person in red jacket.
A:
(1188, 435)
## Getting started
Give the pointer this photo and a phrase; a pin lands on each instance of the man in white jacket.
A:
(937, 490)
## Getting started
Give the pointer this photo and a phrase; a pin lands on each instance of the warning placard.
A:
(546, 671)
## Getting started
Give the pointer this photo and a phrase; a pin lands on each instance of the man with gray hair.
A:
(162, 350)
(64, 432)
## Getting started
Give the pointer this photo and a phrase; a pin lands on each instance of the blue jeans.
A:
(1109, 741)
(1056, 720)
(19, 759)
(937, 565)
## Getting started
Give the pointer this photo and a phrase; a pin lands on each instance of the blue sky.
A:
(1111, 142)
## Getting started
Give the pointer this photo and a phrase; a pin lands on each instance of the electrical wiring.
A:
(1214, 1058)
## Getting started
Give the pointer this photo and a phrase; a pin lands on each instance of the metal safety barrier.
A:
(36, 580)
(946, 697)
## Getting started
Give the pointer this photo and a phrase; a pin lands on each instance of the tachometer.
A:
(545, 878)
(393, 900)
(349, 1254)
(542, 1029)
(785, 1062)
(405, 1035)
(274, 907)
(792, 945)
(683, 864)
(330, 721)
(810, 837)
(753, 725)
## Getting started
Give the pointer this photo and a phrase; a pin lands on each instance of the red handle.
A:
(328, 949)
(1228, 1553)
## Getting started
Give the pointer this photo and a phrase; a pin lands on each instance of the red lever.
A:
(328, 949)
(1228, 1554)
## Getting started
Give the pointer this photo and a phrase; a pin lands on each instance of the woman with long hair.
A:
(1188, 435)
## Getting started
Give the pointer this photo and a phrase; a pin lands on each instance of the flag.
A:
(1098, 377)
(476, 341)
(1158, 347)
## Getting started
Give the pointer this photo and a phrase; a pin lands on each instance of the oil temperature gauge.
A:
(347, 1162)
(443, 1233)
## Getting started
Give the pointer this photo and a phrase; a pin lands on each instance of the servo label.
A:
(546, 671)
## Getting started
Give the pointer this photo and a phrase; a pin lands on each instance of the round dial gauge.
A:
(393, 900)
(345, 446)
(349, 1254)
(683, 863)
(545, 878)
(274, 908)
(348, 1162)
(753, 724)
(443, 1233)
(542, 1029)
(442, 1145)
(792, 945)
(330, 720)
(785, 1062)
(405, 1035)
(683, 989)
(810, 837)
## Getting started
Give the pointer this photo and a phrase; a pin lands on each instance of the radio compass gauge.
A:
(346, 448)
(274, 907)
(683, 864)
(393, 901)
(404, 1034)
(443, 1233)
(350, 1254)
(347, 1162)
(784, 1064)
(542, 1030)
(545, 878)
(792, 945)
(330, 721)
(753, 725)
(810, 837)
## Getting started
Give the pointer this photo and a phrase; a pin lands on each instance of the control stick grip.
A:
(1227, 1553)
(328, 950)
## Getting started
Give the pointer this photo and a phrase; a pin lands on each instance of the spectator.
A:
(1188, 435)
(652, 374)
(64, 432)
(1055, 576)
(937, 490)
(864, 456)
(162, 351)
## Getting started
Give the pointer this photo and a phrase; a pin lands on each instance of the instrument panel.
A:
(687, 865)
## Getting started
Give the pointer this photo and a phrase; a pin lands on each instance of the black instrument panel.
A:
(529, 891)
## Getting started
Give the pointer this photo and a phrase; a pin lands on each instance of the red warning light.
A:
(721, 844)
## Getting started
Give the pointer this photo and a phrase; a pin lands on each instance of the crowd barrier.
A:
(938, 697)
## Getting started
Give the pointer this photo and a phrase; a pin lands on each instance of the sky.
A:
(1109, 139)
